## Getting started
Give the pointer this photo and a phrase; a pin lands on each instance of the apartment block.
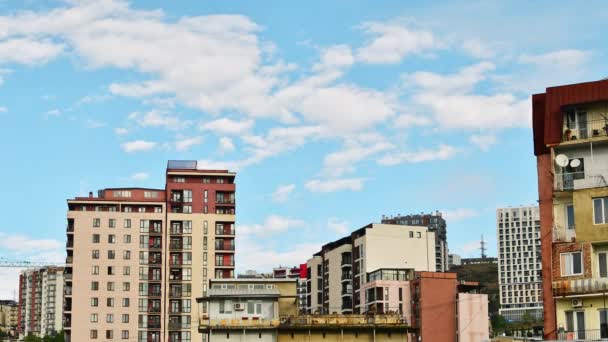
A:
(8, 317)
(337, 273)
(40, 310)
(137, 258)
(570, 125)
(454, 260)
(519, 259)
(435, 223)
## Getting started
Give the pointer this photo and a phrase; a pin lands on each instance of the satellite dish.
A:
(561, 160)
(575, 163)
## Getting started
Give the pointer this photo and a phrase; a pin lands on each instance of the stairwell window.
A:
(571, 264)
(600, 210)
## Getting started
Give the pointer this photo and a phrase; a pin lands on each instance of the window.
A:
(125, 334)
(188, 196)
(110, 318)
(187, 209)
(94, 301)
(94, 318)
(219, 180)
(111, 270)
(226, 306)
(112, 223)
(602, 264)
(95, 238)
(95, 270)
(109, 334)
(158, 209)
(127, 223)
(128, 209)
(570, 216)
(179, 180)
(603, 323)
(111, 238)
(205, 209)
(93, 334)
(141, 209)
(571, 263)
(206, 180)
(126, 270)
(600, 210)
(125, 318)
(126, 286)
(94, 285)
(411, 234)
(110, 286)
(111, 254)
(418, 235)
(254, 308)
(575, 322)
(206, 196)
(126, 238)
(110, 302)
(125, 302)
(187, 227)
(123, 194)
(126, 255)
(205, 227)
(150, 194)
(96, 222)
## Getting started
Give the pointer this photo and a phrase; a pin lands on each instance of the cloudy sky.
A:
(332, 114)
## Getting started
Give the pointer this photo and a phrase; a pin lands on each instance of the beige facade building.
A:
(138, 258)
(337, 273)
(40, 309)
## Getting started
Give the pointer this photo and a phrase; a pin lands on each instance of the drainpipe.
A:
(374, 334)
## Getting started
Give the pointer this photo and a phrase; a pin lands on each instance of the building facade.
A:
(435, 223)
(138, 258)
(454, 260)
(40, 309)
(337, 273)
(570, 125)
(519, 259)
(8, 317)
(296, 272)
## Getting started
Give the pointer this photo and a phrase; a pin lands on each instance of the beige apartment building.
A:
(337, 272)
(138, 257)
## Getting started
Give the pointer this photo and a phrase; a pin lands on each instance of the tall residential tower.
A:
(138, 258)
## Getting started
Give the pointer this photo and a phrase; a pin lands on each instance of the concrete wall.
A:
(334, 257)
(591, 307)
(473, 319)
(339, 336)
(394, 304)
(314, 289)
(243, 335)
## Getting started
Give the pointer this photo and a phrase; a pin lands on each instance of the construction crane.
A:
(26, 264)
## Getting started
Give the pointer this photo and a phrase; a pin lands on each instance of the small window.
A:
(571, 263)
(600, 210)
(112, 223)
(93, 334)
(96, 222)
(411, 234)
(418, 235)
(179, 180)
(127, 223)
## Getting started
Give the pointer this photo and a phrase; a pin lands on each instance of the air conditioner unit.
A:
(577, 303)
(239, 307)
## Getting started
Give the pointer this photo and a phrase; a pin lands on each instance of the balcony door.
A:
(603, 323)
(575, 322)
(577, 122)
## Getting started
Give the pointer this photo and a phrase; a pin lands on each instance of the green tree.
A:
(499, 324)
(32, 338)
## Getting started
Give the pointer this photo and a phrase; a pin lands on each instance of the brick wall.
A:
(571, 247)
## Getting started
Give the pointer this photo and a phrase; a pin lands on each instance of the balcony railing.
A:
(224, 263)
(321, 321)
(563, 234)
(592, 129)
(241, 323)
(569, 181)
(224, 247)
(583, 335)
(224, 232)
(580, 286)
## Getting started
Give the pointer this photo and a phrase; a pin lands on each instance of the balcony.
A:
(563, 234)
(224, 232)
(569, 181)
(243, 323)
(69, 244)
(345, 321)
(69, 260)
(179, 326)
(580, 286)
(583, 335)
(176, 246)
(224, 247)
(592, 129)
(222, 263)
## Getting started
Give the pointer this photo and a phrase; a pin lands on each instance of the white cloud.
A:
(121, 131)
(158, 118)
(95, 124)
(27, 51)
(3, 109)
(140, 176)
(227, 126)
(137, 146)
(341, 162)
(333, 185)
(459, 214)
(560, 58)
(185, 143)
(283, 192)
(273, 224)
(94, 99)
(337, 56)
(226, 145)
(52, 113)
(408, 120)
(443, 152)
(461, 82)
(393, 42)
(24, 244)
(338, 226)
(468, 249)
(478, 49)
(484, 142)
(251, 255)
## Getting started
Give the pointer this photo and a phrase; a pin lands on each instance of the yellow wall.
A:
(335, 336)
(289, 305)
(583, 215)
(591, 306)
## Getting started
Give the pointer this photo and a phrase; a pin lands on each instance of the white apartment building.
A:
(519, 262)
(337, 272)
(41, 301)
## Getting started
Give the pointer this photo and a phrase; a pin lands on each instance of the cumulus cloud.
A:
(22, 243)
(559, 58)
(337, 163)
(138, 146)
(272, 225)
(185, 143)
(338, 226)
(140, 176)
(28, 51)
(227, 126)
(282, 193)
(443, 152)
(337, 56)
(3, 109)
(392, 42)
(483, 141)
(159, 118)
(408, 120)
(226, 145)
(333, 185)
(121, 131)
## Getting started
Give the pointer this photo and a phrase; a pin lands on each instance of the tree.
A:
(499, 324)
(32, 338)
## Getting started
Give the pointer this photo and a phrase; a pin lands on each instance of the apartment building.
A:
(454, 260)
(519, 263)
(8, 317)
(570, 125)
(435, 223)
(336, 274)
(137, 258)
(266, 310)
(296, 272)
(40, 310)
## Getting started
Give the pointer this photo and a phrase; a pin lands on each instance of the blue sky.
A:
(333, 114)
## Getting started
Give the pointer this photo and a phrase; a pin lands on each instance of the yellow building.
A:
(267, 310)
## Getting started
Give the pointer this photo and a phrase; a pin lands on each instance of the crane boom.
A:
(26, 264)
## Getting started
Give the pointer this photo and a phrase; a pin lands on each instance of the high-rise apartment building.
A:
(435, 223)
(570, 125)
(337, 273)
(40, 309)
(519, 263)
(138, 258)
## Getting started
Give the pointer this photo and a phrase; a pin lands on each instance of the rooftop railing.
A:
(591, 129)
(569, 181)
